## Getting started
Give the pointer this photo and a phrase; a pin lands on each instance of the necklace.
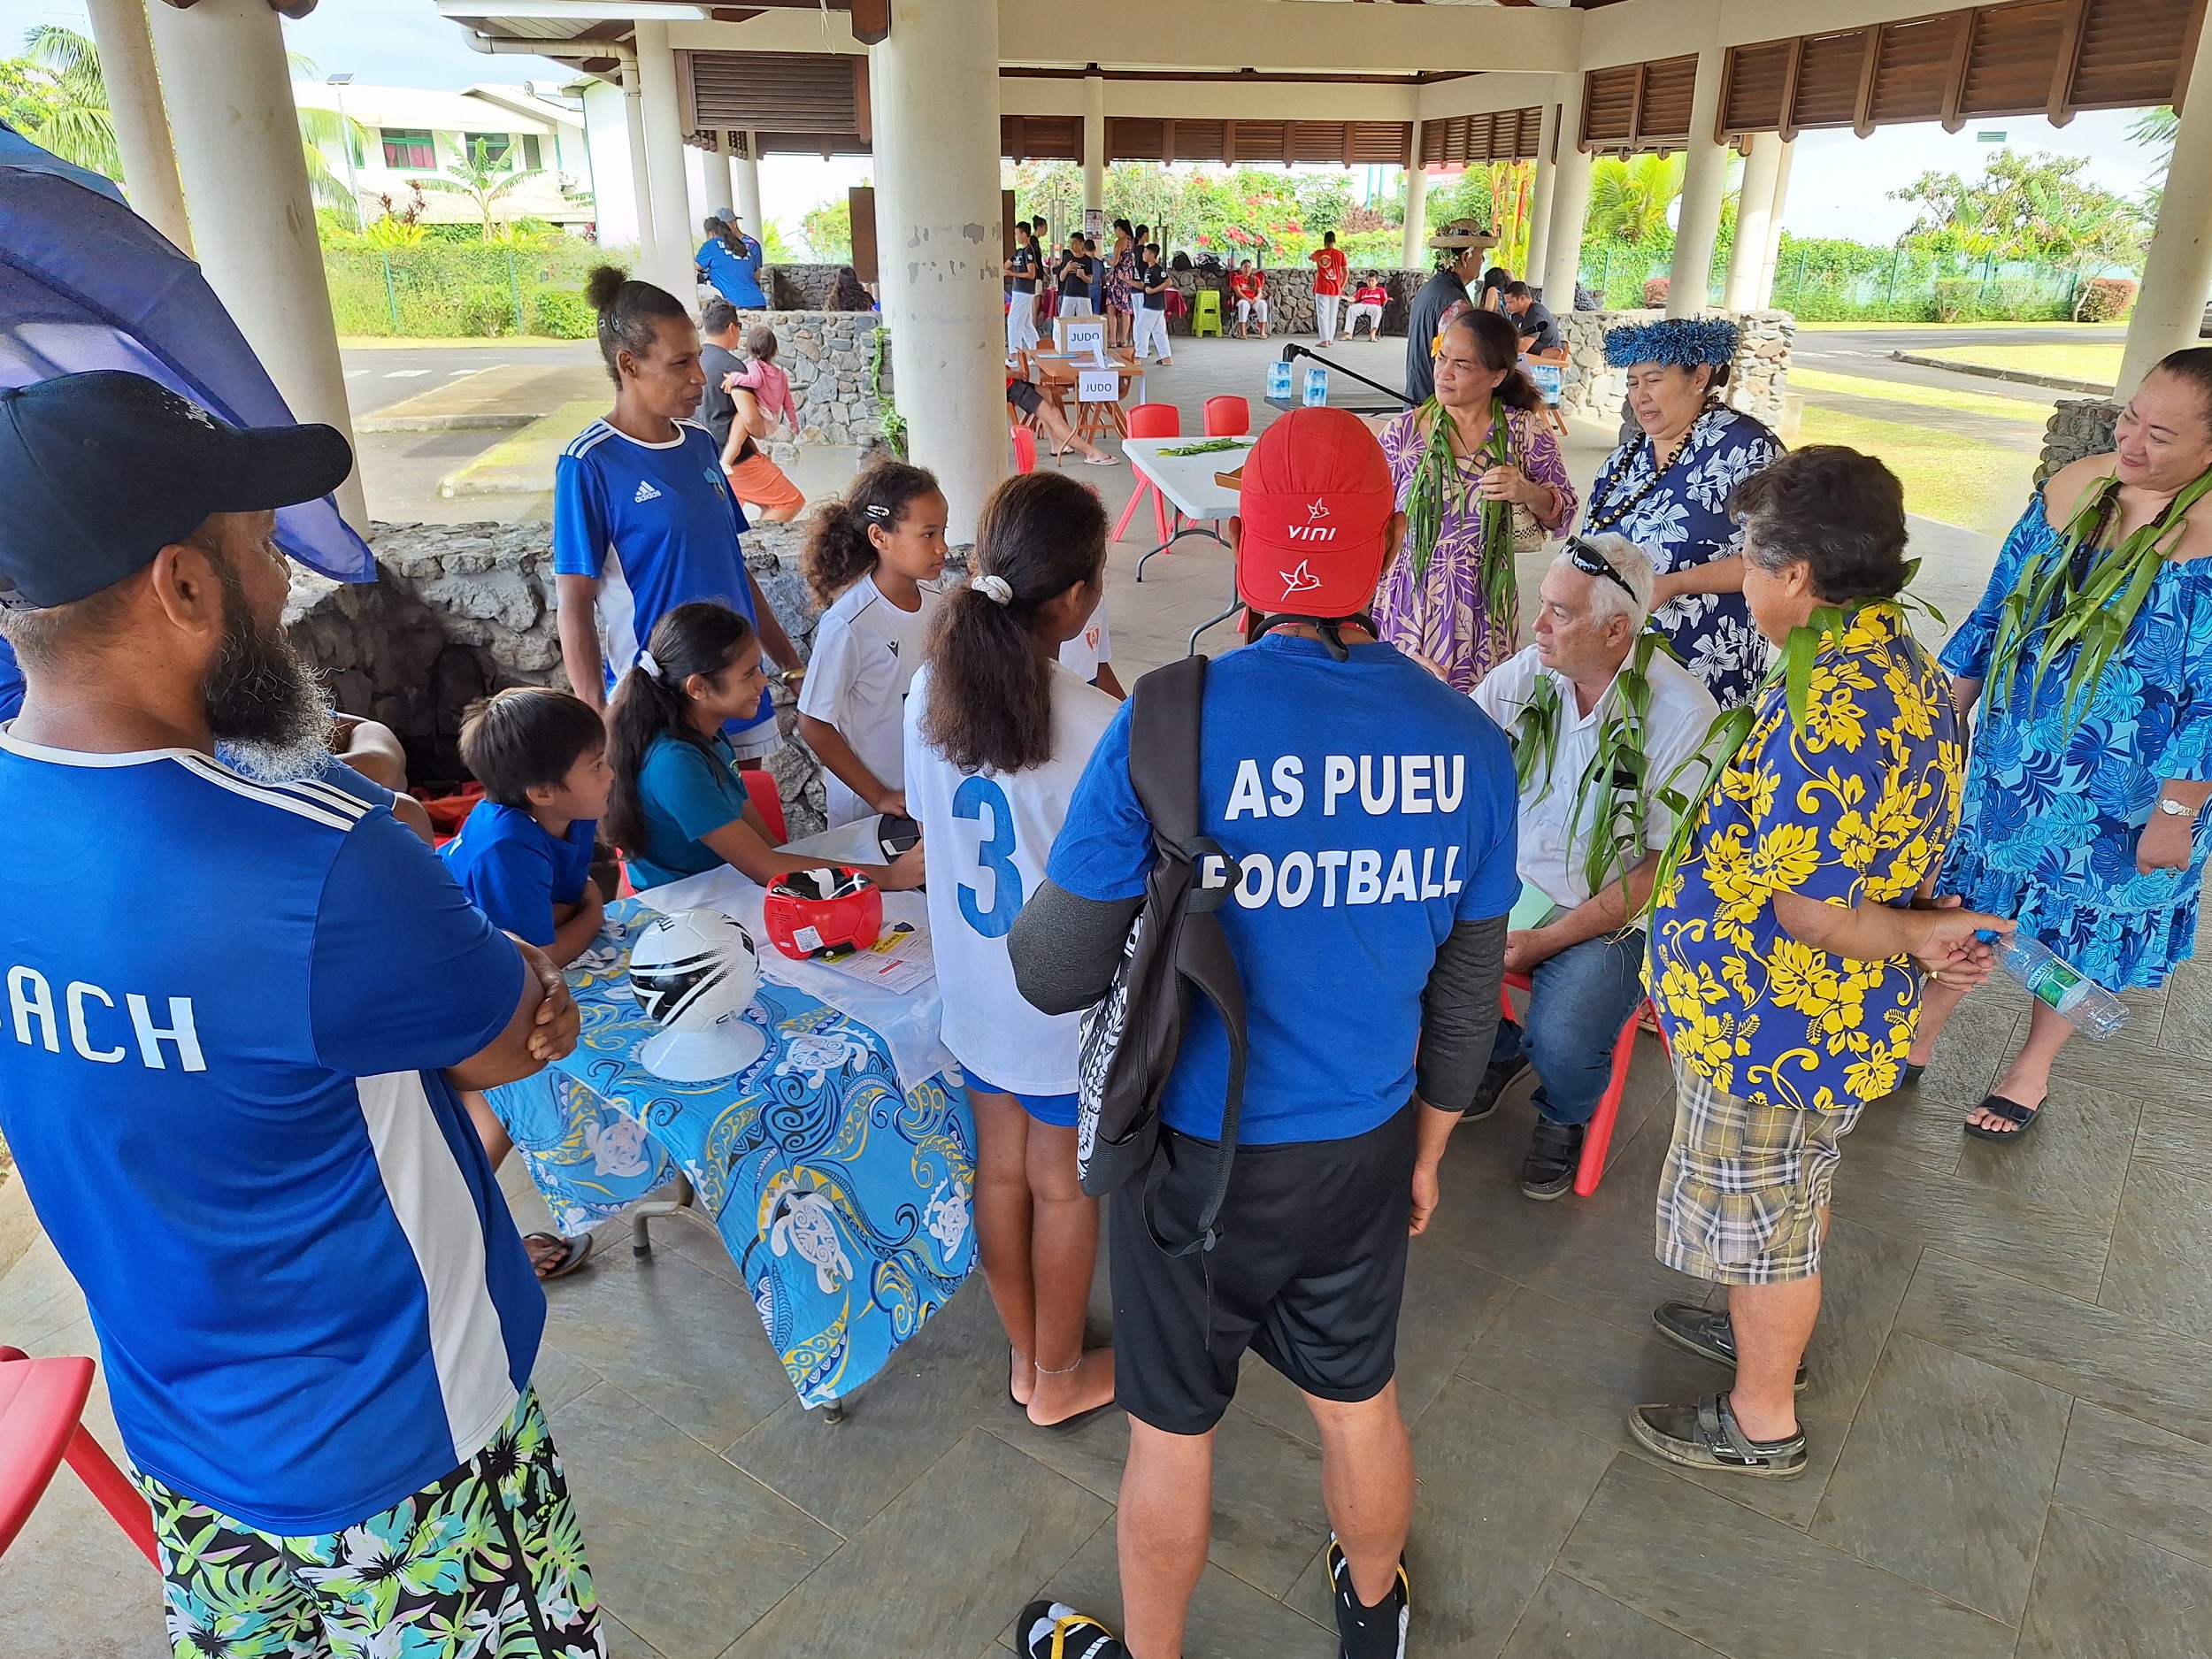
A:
(1614, 781)
(1439, 481)
(1606, 514)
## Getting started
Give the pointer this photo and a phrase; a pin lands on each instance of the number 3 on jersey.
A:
(994, 853)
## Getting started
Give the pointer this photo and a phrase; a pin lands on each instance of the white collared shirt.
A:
(1682, 712)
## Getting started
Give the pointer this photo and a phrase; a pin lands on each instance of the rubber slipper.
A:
(575, 1253)
(2011, 1112)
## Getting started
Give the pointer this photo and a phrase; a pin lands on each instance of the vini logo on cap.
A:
(1301, 581)
(1313, 529)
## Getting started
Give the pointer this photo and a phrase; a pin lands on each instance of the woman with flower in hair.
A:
(2087, 668)
(1480, 479)
(1667, 491)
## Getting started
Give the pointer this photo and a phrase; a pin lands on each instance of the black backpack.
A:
(1176, 947)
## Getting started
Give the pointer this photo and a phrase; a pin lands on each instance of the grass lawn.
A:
(1945, 476)
(2098, 362)
(2003, 408)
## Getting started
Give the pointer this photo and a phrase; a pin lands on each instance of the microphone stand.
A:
(1293, 351)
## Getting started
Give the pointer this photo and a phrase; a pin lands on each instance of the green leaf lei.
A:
(1439, 481)
(2078, 591)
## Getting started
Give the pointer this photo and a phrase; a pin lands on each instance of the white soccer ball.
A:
(693, 973)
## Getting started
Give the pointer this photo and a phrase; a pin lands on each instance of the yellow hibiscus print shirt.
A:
(1858, 804)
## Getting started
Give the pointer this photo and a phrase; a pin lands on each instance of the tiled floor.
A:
(2010, 1413)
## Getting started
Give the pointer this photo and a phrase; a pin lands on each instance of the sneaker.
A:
(1496, 1081)
(1707, 1436)
(1704, 1332)
(1053, 1630)
(1555, 1155)
(1368, 1632)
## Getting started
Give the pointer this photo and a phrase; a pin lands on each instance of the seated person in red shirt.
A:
(1368, 301)
(1250, 289)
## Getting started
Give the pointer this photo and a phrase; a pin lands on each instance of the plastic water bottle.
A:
(1316, 387)
(1279, 380)
(2087, 1006)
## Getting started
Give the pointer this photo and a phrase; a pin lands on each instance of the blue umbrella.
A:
(85, 283)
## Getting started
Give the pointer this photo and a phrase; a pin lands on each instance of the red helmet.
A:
(812, 912)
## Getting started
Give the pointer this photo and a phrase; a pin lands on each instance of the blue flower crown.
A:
(1683, 341)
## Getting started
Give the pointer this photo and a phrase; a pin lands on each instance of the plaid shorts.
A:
(487, 1560)
(1741, 1195)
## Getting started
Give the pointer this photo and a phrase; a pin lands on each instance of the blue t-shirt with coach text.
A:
(227, 1010)
(665, 513)
(1372, 808)
(515, 872)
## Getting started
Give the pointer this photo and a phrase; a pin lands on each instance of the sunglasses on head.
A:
(1588, 559)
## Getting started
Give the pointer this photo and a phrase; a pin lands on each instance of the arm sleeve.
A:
(1966, 654)
(1547, 466)
(406, 974)
(1494, 876)
(580, 529)
(1104, 848)
(691, 787)
(828, 670)
(512, 884)
(1065, 950)
(1459, 1013)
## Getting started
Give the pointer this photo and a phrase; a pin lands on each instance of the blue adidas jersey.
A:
(227, 1012)
(665, 513)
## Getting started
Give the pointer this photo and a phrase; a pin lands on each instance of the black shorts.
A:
(1309, 1273)
(1024, 395)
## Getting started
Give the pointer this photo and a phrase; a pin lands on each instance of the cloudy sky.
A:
(1839, 184)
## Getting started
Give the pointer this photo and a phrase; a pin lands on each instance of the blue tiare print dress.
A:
(2053, 815)
(1683, 522)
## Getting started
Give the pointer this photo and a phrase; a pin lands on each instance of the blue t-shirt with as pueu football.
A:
(1371, 808)
(515, 871)
(688, 790)
(665, 513)
(234, 1122)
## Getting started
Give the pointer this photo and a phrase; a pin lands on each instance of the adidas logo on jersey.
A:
(645, 491)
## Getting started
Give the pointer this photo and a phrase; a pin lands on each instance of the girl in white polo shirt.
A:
(866, 560)
(998, 732)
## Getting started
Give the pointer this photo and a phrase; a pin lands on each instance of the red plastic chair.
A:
(1150, 420)
(1591, 1171)
(1227, 416)
(1024, 450)
(41, 1403)
(760, 784)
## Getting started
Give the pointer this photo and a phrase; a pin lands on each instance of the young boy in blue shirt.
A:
(524, 858)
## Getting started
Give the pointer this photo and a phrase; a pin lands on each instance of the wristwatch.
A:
(2172, 808)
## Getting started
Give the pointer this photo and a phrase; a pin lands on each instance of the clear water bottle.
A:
(2087, 1006)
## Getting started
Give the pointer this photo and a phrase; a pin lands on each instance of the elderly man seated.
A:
(1605, 723)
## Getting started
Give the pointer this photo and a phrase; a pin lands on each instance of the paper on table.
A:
(899, 961)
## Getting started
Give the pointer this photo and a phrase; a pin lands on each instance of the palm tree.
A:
(2155, 130)
(483, 179)
(1628, 199)
(79, 129)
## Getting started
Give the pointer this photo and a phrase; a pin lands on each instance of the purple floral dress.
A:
(1119, 281)
(1442, 617)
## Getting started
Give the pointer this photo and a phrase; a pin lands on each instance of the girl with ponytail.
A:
(678, 807)
(998, 733)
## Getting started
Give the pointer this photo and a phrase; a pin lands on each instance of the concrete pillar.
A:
(675, 233)
(1570, 203)
(142, 125)
(745, 182)
(2170, 310)
(1416, 251)
(1704, 180)
(1540, 198)
(640, 176)
(1094, 141)
(1754, 222)
(1773, 257)
(879, 99)
(237, 140)
(706, 190)
(937, 149)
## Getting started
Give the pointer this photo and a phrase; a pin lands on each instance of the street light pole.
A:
(339, 83)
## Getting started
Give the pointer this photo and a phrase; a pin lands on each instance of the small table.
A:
(1189, 485)
(1056, 373)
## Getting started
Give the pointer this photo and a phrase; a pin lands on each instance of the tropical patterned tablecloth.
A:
(845, 1201)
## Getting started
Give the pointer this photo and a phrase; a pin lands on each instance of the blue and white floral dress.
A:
(2053, 812)
(1682, 521)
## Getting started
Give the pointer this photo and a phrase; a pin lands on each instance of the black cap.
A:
(100, 471)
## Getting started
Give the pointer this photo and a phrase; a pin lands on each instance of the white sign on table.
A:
(1084, 336)
(1098, 386)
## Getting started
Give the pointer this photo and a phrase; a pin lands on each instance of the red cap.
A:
(1315, 513)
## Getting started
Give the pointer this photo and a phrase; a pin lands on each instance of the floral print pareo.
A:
(1442, 617)
(1683, 523)
(2053, 813)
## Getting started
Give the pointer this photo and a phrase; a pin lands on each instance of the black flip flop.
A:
(1010, 1401)
(2011, 1112)
(1068, 1425)
(577, 1251)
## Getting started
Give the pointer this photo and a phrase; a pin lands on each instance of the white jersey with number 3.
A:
(986, 837)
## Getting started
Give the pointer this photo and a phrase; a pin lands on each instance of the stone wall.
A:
(1289, 293)
(459, 610)
(1758, 380)
(2077, 427)
(827, 355)
(801, 288)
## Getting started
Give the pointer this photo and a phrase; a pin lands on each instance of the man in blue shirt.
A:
(238, 1125)
(1371, 812)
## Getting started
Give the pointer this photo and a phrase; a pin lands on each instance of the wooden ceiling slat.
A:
(2128, 54)
(1870, 67)
(2009, 71)
(1828, 80)
(1915, 67)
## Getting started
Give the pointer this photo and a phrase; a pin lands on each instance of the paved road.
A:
(1867, 352)
(377, 376)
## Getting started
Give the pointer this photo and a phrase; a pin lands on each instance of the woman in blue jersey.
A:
(643, 519)
(730, 259)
